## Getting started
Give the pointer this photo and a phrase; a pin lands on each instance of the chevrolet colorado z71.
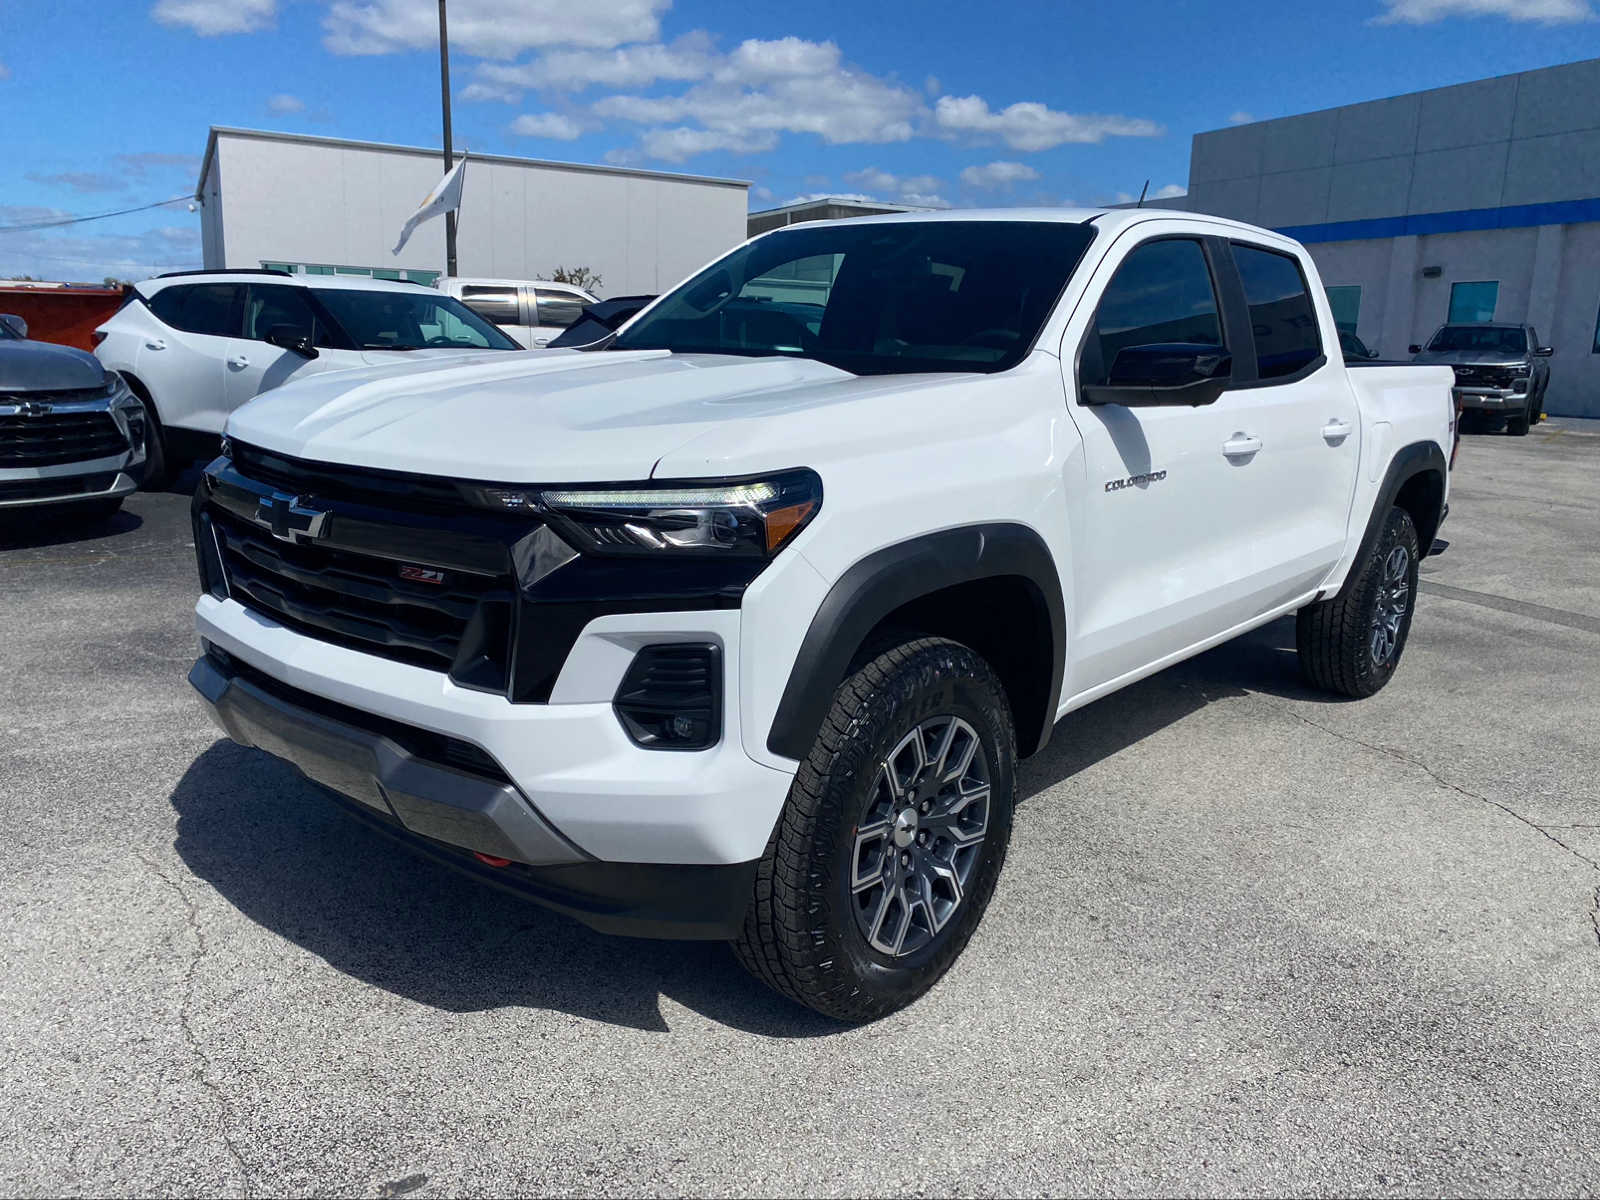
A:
(736, 626)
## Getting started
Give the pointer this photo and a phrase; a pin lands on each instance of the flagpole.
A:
(449, 158)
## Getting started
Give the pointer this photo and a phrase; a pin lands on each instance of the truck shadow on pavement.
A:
(290, 859)
(20, 532)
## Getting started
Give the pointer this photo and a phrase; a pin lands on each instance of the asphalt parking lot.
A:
(1247, 940)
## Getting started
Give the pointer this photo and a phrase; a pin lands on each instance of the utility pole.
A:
(449, 157)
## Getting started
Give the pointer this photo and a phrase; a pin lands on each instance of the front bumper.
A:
(571, 756)
(68, 483)
(471, 818)
(1491, 399)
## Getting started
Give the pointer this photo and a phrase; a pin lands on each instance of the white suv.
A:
(194, 346)
(534, 313)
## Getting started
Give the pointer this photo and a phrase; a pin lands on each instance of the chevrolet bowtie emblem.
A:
(288, 519)
(32, 408)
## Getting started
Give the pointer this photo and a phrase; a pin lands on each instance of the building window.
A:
(1471, 303)
(1345, 300)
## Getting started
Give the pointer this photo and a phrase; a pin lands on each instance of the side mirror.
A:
(1414, 348)
(16, 324)
(293, 339)
(1169, 373)
(1543, 351)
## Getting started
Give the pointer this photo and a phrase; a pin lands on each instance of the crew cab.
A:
(72, 436)
(736, 625)
(1499, 369)
(194, 346)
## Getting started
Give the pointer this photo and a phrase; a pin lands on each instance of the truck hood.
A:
(547, 416)
(27, 366)
(1476, 358)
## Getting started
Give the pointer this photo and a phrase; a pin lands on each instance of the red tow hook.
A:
(490, 860)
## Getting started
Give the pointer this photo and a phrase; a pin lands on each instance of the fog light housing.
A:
(671, 697)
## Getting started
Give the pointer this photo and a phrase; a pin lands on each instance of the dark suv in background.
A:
(1499, 369)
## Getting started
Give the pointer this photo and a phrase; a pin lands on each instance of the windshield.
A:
(410, 321)
(1496, 339)
(875, 298)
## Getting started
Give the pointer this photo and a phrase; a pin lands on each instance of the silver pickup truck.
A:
(1499, 369)
(72, 436)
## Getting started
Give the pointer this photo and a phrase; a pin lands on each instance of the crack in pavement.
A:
(1397, 755)
(203, 1060)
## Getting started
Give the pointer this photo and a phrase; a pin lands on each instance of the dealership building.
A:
(320, 205)
(1476, 202)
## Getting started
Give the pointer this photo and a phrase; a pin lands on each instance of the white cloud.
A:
(675, 145)
(1240, 117)
(212, 18)
(808, 196)
(5, 72)
(283, 104)
(921, 190)
(1171, 192)
(997, 175)
(1029, 125)
(761, 192)
(840, 106)
(1545, 12)
(873, 179)
(757, 61)
(547, 125)
(140, 165)
(683, 60)
(79, 181)
(488, 28)
(75, 255)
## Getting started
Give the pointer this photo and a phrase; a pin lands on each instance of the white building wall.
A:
(326, 202)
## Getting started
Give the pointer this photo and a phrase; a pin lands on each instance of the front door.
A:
(254, 365)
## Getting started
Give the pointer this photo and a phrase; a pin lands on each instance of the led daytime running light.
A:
(743, 495)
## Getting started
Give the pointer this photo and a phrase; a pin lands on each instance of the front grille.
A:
(1484, 376)
(52, 438)
(355, 485)
(364, 602)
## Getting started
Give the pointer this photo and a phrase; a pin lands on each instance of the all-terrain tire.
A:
(803, 932)
(1342, 647)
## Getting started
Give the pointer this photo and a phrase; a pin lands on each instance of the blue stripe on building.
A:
(1515, 216)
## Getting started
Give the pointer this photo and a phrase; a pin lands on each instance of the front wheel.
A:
(887, 851)
(1352, 643)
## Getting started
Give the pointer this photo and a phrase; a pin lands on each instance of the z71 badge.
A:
(1116, 485)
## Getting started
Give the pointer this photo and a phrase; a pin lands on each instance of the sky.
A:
(105, 104)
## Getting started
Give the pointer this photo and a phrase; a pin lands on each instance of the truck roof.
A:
(1110, 219)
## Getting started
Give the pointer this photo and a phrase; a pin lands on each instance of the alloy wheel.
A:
(921, 837)
(1389, 612)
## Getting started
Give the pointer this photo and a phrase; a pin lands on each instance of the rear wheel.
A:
(894, 833)
(1352, 643)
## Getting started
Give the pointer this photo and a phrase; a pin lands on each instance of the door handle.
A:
(1336, 430)
(238, 360)
(155, 344)
(1241, 444)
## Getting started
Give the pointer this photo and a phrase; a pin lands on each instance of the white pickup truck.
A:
(736, 626)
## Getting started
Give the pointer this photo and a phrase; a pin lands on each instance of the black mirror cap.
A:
(288, 337)
(1414, 349)
(1192, 395)
(1544, 351)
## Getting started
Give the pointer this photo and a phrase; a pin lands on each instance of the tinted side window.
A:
(1160, 295)
(497, 304)
(271, 305)
(212, 308)
(557, 308)
(1281, 314)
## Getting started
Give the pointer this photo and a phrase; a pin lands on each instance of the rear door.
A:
(254, 365)
(183, 362)
(1303, 411)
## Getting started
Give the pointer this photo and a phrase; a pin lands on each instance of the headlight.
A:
(750, 518)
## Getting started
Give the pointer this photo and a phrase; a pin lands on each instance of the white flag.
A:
(445, 197)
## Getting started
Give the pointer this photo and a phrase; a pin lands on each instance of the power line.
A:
(31, 226)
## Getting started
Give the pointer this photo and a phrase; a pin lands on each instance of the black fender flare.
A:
(892, 577)
(1407, 463)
